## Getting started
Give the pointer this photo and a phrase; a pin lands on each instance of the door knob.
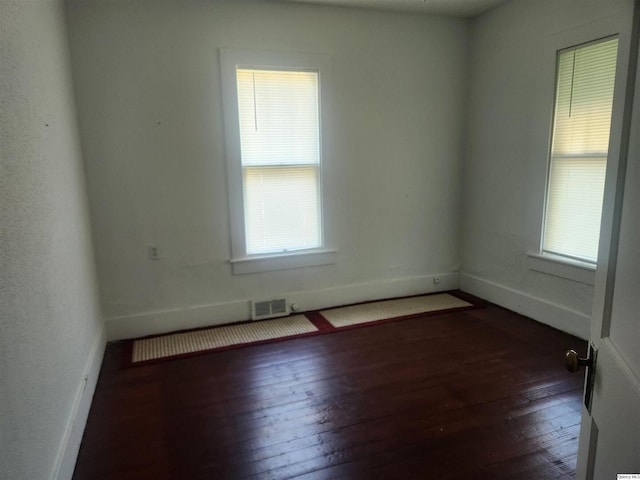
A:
(574, 362)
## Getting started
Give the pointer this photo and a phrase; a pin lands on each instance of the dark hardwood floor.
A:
(481, 394)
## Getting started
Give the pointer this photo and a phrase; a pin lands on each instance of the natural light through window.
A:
(578, 159)
(280, 155)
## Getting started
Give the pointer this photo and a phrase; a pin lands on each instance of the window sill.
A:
(286, 261)
(581, 272)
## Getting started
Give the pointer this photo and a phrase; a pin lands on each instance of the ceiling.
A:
(457, 8)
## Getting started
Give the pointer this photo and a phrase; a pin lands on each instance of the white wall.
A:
(51, 332)
(512, 73)
(150, 109)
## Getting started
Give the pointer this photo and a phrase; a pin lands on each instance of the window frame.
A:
(230, 61)
(536, 259)
(549, 254)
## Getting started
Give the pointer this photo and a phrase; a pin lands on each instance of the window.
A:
(579, 149)
(280, 156)
(274, 154)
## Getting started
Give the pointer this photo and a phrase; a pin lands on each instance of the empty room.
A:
(319, 239)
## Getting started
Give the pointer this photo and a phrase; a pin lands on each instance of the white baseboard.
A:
(153, 323)
(68, 453)
(556, 316)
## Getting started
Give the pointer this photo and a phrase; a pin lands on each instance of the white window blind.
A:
(582, 120)
(280, 151)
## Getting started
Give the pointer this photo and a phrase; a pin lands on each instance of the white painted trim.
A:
(558, 266)
(556, 316)
(265, 263)
(230, 59)
(151, 323)
(70, 445)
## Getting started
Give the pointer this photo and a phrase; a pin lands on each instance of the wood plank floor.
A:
(481, 394)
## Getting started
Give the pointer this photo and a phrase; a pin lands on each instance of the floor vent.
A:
(276, 307)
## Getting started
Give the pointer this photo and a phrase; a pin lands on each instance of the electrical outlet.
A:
(152, 250)
(436, 280)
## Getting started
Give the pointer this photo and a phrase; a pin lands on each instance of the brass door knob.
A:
(574, 362)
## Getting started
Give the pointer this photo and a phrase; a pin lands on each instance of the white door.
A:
(610, 433)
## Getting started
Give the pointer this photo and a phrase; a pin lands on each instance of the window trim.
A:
(560, 257)
(283, 261)
(230, 60)
(579, 35)
(563, 267)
